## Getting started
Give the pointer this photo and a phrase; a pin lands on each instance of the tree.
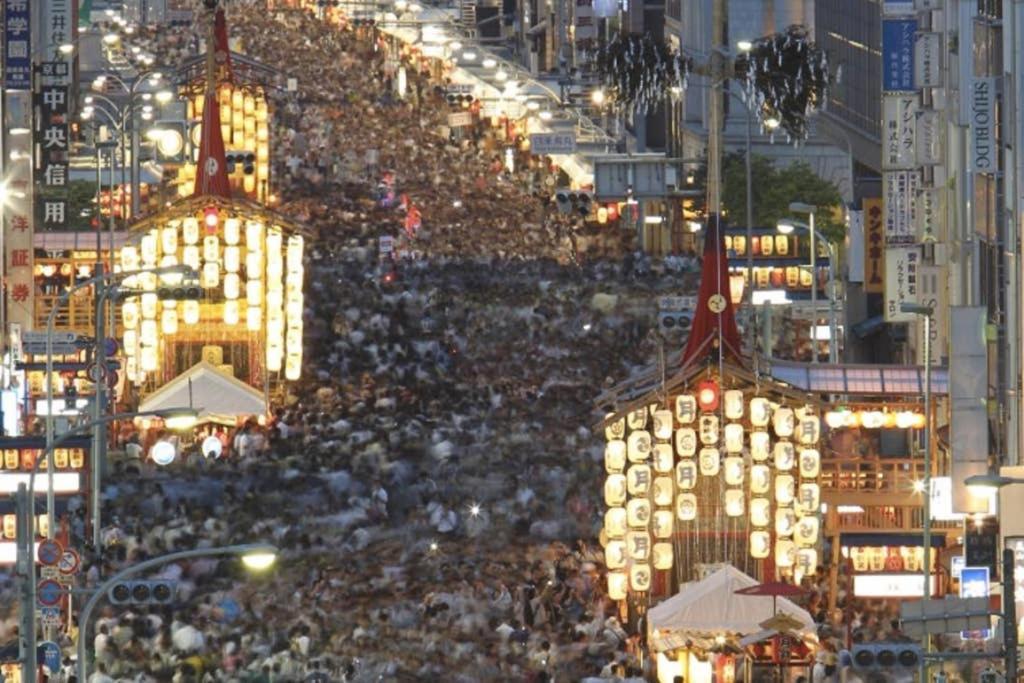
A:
(81, 204)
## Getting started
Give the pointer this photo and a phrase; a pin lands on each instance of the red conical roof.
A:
(212, 172)
(715, 316)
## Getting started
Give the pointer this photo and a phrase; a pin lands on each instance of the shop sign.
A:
(460, 119)
(929, 210)
(898, 54)
(552, 143)
(890, 585)
(895, 8)
(974, 583)
(983, 122)
(874, 247)
(933, 293)
(927, 60)
(901, 264)
(981, 546)
(899, 117)
(900, 188)
(17, 45)
(928, 138)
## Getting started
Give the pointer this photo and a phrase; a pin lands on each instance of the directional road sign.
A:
(49, 592)
(944, 616)
(34, 343)
(50, 552)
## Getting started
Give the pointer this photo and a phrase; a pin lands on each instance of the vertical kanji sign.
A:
(18, 285)
(17, 45)
(51, 143)
(874, 247)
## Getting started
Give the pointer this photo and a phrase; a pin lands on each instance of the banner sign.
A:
(58, 30)
(897, 7)
(552, 143)
(898, 54)
(900, 188)
(17, 45)
(50, 138)
(933, 291)
(899, 116)
(928, 138)
(983, 123)
(586, 27)
(929, 208)
(874, 247)
(901, 264)
(18, 218)
(927, 60)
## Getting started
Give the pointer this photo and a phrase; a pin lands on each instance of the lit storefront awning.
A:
(888, 539)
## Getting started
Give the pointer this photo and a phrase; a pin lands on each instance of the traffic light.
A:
(247, 160)
(179, 292)
(886, 657)
(143, 592)
(459, 100)
(575, 201)
(364, 22)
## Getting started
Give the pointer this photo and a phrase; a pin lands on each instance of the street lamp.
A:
(986, 483)
(786, 226)
(255, 556)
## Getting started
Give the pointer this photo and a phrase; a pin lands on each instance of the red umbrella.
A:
(774, 589)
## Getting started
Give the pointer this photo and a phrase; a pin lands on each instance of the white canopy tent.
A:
(217, 396)
(710, 607)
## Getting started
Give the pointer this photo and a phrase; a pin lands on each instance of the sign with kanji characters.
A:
(586, 26)
(900, 188)
(901, 265)
(927, 56)
(17, 45)
(552, 143)
(460, 119)
(51, 138)
(897, 7)
(874, 247)
(928, 212)
(899, 117)
(52, 213)
(19, 218)
(934, 293)
(898, 54)
(57, 31)
(928, 134)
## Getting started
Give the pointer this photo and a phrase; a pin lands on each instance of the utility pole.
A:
(1009, 617)
(24, 527)
(715, 108)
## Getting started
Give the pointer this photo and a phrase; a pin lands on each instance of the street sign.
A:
(50, 616)
(460, 119)
(63, 343)
(49, 552)
(49, 655)
(70, 562)
(49, 573)
(944, 616)
(49, 592)
(552, 143)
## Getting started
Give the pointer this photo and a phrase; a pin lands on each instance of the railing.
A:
(78, 315)
(871, 475)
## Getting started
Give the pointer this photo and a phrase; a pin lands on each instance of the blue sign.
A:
(898, 54)
(49, 592)
(974, 584)
(17, 45)
(49, 655)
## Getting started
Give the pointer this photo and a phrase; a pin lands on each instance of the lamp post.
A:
(255, 556)
(25, 504)
(786, 227)
(926, 537)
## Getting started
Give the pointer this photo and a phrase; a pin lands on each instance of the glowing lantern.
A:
(686, 475)
(209, 278)
(293, 255)
(129, 258)
(130, 314)
(615, 456)
(785, 456)
(733, 467)
(807, 560)
(232, 285)
(602, 215)
(190, 230)
(615, 490)
(211, 249)
(254, 235)
(760, 446)
(709, 429)
(231, 313)
(190, 312)
(169, 239)
(686, 442)
(148, 359)
(640, 577)
(760, 512)
(760, 412)
(638, 545)
(707, 395)
(615, 522)
(662, 488)
(734, 404)
(760, 479)
(253, 318)
(615, 555)
(810, 464)
(662, 424)
(130, 340)
(169, 321)
(661, 556)
(734, 502)
(661, 523)
(872, 419)
(686, 409)
(836, 419)
(785, 553)
(638, 480)
(710, 462)
(638, 512)
(210, 219)
(920, 421)
(190, 256)
(232, 259)
(785, 521)
(733, 438)
(806, 534)
(808, 427)
(784, 422)
(638, 446)
(253, 292)
(760, 544)
(148, 333)
(148, 249)
(615, 429)
(785, 489)
(809, 500)
(662, 460)
(686, 507)
(232, 231)
(618, 583)
(637, 419)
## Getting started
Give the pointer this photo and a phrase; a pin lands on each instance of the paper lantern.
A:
(293, 254)
(169, 322)
(232, 230)
(638, 545)
(638, 480)
(809, 500)
(253, 318)
(190, 230)
(640, 578)
(785, 489)
(760, 512)
(785, 553)
(211, 447)
(661, 523)
(232, 259)
(615, 456)
(130, 314)
(733, 438)
(130, 341)
(232, 285)
(662, 490)
(231, 312)
(618, 583)
(760, 479)
(615, 490)
(662, 458)
(211, 248)
(733, 470)
(708, 430)
(872, 419)
(253, 292)
(60, 458)
(615, 522)
(190, 311)
(613, 430)
(169, 239)
(638, 512)
(11, 459)
(662, 424)
(734, 502)
(210, 276)
(686, 507)
(808, 427)
(686, 409)
(686, 475)
(783, 422)
(147, 281)
(785, 456)
(129, 258)
(710, 462)
(785, 521)
(810, 463)
(806, 533)
(760, 544)
(638, 446)
(10, 526)
(637, 419)
(254, 235)
(708, 395)
(733, 404)
(760, 412)
(760, 446)
(686, 442)
(163, 453)
(661, 556)
(148, 247)
(807, 561)
(836, 419)
(615, 555)
(190, 257)
(148, 333)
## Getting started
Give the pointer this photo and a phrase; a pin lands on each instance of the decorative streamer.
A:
(640, 72)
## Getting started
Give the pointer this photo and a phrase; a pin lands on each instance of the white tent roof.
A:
(711, 607)
(217, 396)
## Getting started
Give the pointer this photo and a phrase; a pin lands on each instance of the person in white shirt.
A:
(100, 674)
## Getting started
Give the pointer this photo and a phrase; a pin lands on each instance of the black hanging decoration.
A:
(786, 76)
(639, 72)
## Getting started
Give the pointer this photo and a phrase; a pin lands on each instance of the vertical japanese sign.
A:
(934, 293)
(927, 64)
(586, 27)
(18, 223)
(51, 143)
(58, 29)
(17, 45)
(900, 189)
(898, 54)
(874, 247)
(899, 116)
(901, 282)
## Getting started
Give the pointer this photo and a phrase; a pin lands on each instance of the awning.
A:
(887, 539)
(876, 380)
(217, 396)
